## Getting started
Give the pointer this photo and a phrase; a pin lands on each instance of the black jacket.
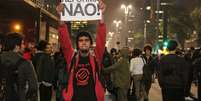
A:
(197, 66)
(45, 67)
(26, 74)
(173, 71)
(148, 69)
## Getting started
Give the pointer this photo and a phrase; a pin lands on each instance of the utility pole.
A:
(165, 24)
(157, 17)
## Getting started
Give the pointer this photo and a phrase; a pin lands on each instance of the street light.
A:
(111, 34)
(117, 23)
(148, 8)
(126, 9)
(148, 21)
(110, 39)
(17, 27)
(117, 36)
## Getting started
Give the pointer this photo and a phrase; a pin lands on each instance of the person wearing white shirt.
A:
(136, 69)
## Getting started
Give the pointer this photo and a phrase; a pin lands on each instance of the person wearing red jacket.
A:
(27, 54)
(84, 83)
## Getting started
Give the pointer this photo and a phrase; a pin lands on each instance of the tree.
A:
(138, 39)
(184, 18)
(180, 22)
(196, 17)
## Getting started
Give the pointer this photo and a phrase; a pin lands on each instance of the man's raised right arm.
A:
(65, 42)
(64, 37)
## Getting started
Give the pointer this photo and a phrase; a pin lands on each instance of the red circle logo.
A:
(82, 76)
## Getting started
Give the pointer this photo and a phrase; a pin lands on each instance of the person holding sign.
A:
(84, 81)
(80, 10)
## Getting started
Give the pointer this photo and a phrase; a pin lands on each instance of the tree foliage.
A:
(184, 17)
(196, 17)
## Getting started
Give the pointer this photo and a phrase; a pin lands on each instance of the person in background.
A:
(60, 75)
(114, 55)
(26, 74)
(136, 68)
(2, 39)
(27, 54)
(173, 74)
(120, 75)
(197, 66)
(148, 70)
(45, 68)
(110, 92)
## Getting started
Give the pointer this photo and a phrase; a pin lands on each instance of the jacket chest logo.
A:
(83, 75)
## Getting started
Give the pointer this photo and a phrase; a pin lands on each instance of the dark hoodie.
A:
(120, 70)
(26, 74)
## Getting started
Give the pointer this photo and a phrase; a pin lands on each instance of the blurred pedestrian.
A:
(2, 39)
(136, 68)
(114, 55)
(148, 70)
(61, 76)
(17, 75)
(45, 69)
(120, 75)
(173, 74)
(197, 65)
(27, 54)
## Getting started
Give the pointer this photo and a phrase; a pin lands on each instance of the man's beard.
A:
(84, 52)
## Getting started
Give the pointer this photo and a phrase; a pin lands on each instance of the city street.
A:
(72, 49)
(155, 92)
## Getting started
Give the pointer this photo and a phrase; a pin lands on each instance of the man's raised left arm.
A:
(101, 35)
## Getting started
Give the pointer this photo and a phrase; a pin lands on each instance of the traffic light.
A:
(165, 44)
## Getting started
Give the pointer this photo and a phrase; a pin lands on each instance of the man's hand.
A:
(59, 9)
(102, 6)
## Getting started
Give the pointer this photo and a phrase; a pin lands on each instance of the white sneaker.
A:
(189, 98)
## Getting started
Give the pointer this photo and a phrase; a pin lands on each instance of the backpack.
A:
(8, 81)
(147, 73)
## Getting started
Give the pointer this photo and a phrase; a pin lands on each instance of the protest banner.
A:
(80, 10)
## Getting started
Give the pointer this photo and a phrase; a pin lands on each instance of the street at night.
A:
(100, 50)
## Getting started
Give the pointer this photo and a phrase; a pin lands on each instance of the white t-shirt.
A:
(136, 66)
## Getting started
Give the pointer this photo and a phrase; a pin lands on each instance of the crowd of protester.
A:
(126, 72)
(69, 75)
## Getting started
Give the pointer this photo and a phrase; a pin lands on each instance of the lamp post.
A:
(146, 22)
(117, 24)
(126, 9)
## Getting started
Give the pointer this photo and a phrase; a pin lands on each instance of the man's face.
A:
(48, 49)
(148, 52)
(22, 47)
(84, 43)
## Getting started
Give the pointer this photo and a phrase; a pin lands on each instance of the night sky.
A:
(114, 11)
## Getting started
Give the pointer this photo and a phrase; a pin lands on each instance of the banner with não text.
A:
(79, 10)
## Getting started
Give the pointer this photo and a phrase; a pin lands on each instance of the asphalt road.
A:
(155, 92)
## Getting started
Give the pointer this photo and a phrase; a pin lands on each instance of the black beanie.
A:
(81, 34)
(172, 45)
